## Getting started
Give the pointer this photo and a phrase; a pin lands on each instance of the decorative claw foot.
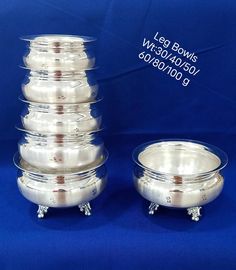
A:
(42, 210)
(86, 208)
(152, 208)
(195, 212)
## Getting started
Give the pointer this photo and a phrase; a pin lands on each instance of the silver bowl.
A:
(58, 42)
(50, 52)
(179, 174)
(61, 152)
(61, 118)
(60, 87)
(48, 189)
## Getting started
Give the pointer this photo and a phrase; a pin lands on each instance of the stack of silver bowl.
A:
(61, 156)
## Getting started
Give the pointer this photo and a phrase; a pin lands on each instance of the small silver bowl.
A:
(60, 87)
(58, 41)
(51, 189)
(61, 118)
(53, 52)
(61, 152)
(179, 174)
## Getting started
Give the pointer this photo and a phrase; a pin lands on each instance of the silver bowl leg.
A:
(42, 210)
(152, 208)
(195, 212)
(86, 208)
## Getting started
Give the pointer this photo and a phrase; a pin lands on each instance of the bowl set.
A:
(61, 157)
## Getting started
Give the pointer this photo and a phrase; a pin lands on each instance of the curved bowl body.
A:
(61, 152)
(57, 43)
(62, 190)
(60, 87)
(65, 61)
(177, 195)
(53, 52)
(178, 173)
(61, 118)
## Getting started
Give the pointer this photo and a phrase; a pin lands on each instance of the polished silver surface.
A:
(61, 118)
(53, 52)
(61, 156)
(61, 152)
(67, 42)
(153, 207)
(60, 189)
(42, 211)
(178, 173)
(83, 207)
(60, 87)
(36, 60)
(194, 212)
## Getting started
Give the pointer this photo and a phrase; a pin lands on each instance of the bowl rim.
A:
(53, 73)
(77, 38)
(22, 129)
(26, 101)
(208, 147)
(54, 69)
(33, 170)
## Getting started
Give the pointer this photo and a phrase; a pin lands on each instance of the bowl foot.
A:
(86, 208)
(42, 210)
(194, 212)
(152, 208)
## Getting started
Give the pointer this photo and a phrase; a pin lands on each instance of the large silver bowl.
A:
(61, 118)
(53, 52)
(61, 152)
(60, 87)
(50, 189)
(179, 173)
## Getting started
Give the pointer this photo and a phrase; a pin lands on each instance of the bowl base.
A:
(83, 207)
(194, 212)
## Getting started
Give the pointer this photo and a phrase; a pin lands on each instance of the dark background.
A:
(140, 104)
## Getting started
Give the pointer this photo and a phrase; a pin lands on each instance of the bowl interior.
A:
(179, 158)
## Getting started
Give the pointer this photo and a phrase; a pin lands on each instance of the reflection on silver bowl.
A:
(61, 118)
(61, 152)
(60, 87)
(179, 173)
(59, 42)
(53, 52)
(50, 189)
